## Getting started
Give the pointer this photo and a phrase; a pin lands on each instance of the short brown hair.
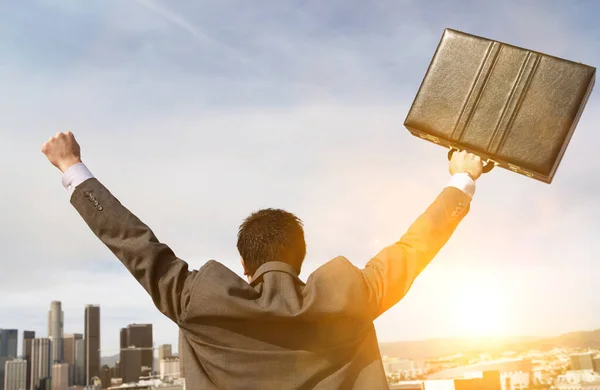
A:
(271, 235)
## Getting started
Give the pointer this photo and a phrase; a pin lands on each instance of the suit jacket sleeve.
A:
(391, 273)
(162, 274)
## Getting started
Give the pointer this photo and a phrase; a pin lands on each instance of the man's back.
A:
(278, 332)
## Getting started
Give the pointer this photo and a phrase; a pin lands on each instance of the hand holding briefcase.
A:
(513, 107)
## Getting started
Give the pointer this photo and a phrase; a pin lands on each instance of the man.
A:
(273, 331)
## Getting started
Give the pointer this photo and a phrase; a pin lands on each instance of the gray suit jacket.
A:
(276, 332)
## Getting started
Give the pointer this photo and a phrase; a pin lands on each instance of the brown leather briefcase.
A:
(513, 107)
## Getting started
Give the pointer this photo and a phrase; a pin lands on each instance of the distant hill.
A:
(441, 347)
(109, 360)
(584, 339)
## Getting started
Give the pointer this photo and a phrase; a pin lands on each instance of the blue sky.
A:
(195, 113)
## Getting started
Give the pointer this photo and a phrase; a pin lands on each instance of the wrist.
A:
(68, 163)
(463, 173)
(464, 182)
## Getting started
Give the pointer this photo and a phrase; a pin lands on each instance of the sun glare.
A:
(480, 310)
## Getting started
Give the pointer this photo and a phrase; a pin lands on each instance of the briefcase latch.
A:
(516, 169)
(430, 138)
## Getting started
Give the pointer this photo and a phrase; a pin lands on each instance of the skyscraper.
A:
(92, 343)
(131, 364)
(55, 330)
(79, 370)
(123, 338)
(41, 352)
(15, 372)
(8, 342)
(28, 337)
(8, 349)
(69, 354)
(140, 336)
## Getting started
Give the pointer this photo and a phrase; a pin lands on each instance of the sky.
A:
(196, 113)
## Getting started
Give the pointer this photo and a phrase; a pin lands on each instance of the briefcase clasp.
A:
(430, 138)
(516, 169)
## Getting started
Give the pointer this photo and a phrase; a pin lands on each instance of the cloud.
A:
(198, 113)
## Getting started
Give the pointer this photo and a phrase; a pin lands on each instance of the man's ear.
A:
(244, 266)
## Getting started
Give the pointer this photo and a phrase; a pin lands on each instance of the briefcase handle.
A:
(488, 166)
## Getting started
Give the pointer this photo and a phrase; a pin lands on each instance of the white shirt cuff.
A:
(74, 176)
(463, 182)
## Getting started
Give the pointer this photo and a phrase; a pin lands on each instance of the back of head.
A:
(271, 235)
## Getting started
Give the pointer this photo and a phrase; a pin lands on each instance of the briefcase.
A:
(515, 108)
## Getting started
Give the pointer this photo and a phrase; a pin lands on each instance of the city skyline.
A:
(577, 364)
(75, 358)
(195, 116)
(138, 335)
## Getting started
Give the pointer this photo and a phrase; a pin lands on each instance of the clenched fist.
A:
(463, 162)
(62, 150)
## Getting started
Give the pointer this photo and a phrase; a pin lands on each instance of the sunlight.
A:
(480, 310)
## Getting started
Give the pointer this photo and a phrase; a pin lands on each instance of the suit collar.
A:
(274, 266)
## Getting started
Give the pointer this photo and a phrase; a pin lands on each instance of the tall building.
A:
(79, 369)
(41, 353)
(582, 361)
(69, 354)
(92, 343)
(8, 349)
(131, 364)
(9, 342)
(15, 375)
(60, 376)
(140, 336)
(55, 330)
(123, 338)
(164, 351)
(28, 337)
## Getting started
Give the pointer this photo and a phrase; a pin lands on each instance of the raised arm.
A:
(162, 274)
(391, 273)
